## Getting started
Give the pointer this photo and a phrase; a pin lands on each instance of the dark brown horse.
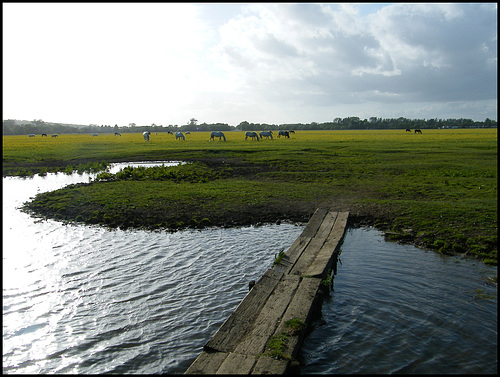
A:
(284, 133)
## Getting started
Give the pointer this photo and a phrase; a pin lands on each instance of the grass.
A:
(437, 190)
(328, 282)
(279, 257)
(276, 345)
(295, 324)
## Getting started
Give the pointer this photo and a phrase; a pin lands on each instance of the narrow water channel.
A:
(399, 309)
(79, 299)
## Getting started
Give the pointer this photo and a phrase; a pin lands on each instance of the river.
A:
(87, 300)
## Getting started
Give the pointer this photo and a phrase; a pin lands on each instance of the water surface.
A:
(399, 309)
(81, 299)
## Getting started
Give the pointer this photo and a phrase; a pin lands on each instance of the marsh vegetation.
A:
(437, 189)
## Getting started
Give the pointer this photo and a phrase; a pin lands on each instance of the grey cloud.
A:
(458, 59)
(236, 58)
(353, 53)
(307, 14)
(456, 52)
(272, 45)
(405, 54)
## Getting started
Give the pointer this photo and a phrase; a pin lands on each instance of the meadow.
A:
(437, 189)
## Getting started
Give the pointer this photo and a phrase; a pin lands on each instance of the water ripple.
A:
(86, 300)
(397, 309)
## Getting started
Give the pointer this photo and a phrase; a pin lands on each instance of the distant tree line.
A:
(38, 126)
(355, 123)
(16, 127)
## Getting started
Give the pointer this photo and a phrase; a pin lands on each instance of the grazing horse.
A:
(418, 131)
(266, 134)
(251, 134)
(44, 135)
(284, 133)
(170, 132)
(94, 134)
(118, 134)
(408, 130)
(31, 135)
(55, 135)
(146, 135)
(292, 131)
(179, 135)
(188, 133)
(215, 134)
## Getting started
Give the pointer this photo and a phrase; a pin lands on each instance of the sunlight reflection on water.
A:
(79, 299)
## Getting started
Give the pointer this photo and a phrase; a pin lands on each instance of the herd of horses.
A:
(267, 134)
(53, 135)
(249, 134)
(214, 134)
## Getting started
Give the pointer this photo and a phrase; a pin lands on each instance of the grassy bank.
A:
(437, 190)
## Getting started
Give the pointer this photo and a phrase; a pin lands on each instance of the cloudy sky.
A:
(165, 63)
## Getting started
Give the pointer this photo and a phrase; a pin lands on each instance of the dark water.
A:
(399, 309)
(84, 300)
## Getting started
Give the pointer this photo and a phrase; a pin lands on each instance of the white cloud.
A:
(102, 59)
(262, 62)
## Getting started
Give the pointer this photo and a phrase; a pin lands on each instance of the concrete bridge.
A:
(265, 332)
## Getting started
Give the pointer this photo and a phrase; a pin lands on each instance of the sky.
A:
(274, 63)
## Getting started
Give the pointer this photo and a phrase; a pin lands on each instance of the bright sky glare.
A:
(165, 63)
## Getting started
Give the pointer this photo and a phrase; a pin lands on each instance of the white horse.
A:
(31, 135)
(251, 134)
(266, 134)
(179, 135)
(94, 134)
(284, 133)
(215, 134)
(146, 135)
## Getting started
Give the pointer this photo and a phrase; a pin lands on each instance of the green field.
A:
(437, 189)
